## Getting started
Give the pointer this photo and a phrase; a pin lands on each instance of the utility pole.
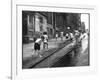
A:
(53, 24)
(28, 23)
(34, 23)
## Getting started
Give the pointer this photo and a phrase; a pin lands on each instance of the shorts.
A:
(36, 46)
(66, 37)
(46, 43)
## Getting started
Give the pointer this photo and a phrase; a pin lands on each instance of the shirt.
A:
(56, 35)
(45, 38)
(38, 41)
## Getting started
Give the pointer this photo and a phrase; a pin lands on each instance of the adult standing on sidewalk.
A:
(77, 36)
(84, 41)
(71, 36)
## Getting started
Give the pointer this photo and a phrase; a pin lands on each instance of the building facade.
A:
(34, 24)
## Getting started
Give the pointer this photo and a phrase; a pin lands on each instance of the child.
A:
(56, 36)
(37, 45)
(45, 40)
(71, 36)
(67, 36)
(61, 35)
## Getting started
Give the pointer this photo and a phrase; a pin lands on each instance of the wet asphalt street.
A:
(67, 56)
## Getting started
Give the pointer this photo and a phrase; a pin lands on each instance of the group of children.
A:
(67, 36)
(44, 39)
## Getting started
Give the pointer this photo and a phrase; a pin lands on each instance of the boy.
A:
(45, 40)
(37, 45)
(67, 36)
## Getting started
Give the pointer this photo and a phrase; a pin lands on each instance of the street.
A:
(59, 54)
(81, 59)
(28, 51)
(43, 28)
